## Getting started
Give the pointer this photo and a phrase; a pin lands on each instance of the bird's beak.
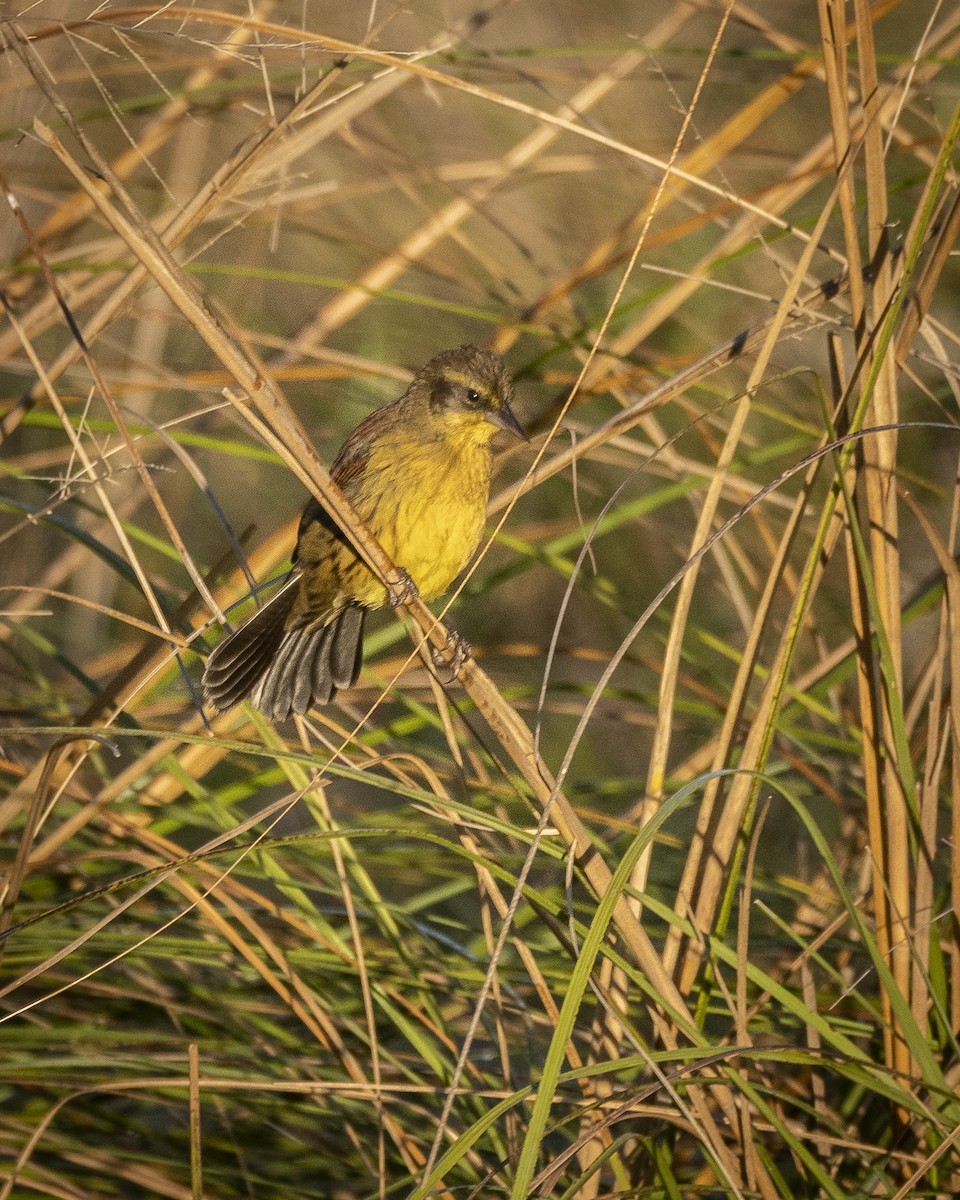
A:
(504, 418)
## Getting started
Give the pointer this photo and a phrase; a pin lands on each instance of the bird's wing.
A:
(355, 451)
(347, 468)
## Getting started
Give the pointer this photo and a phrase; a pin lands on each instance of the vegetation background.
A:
(661, 898)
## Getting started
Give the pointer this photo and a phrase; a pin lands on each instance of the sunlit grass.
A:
(686, 927)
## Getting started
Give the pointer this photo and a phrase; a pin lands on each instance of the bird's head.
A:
(469, 390)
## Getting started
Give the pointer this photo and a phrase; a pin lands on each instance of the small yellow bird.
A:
(418, 473)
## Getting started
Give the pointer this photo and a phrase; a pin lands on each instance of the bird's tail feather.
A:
(284, 671)
(237, 663)
(312, 664)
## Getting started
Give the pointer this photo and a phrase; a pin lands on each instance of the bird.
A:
(418, 472)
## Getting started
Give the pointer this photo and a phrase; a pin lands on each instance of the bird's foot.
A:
(401, 588)
(451, 657)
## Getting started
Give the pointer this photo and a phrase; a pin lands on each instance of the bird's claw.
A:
(451, 657)
(401, 588)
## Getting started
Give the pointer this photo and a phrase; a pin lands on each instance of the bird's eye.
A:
(473, 396)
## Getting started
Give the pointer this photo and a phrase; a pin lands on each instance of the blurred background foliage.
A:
(330, 998)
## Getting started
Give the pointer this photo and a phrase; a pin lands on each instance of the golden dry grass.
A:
(661, 897)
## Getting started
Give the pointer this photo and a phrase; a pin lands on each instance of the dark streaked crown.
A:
(468, 381)
(468, 377)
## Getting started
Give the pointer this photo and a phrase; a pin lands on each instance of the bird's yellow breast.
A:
(426, 503)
